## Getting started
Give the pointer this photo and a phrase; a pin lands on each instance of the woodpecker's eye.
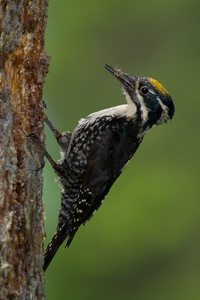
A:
(144, 90)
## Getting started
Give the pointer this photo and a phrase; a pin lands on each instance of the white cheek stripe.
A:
(165, 114)
(131, 108)
(143, 108)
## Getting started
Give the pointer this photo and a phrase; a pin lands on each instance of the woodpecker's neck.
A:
(125, 110)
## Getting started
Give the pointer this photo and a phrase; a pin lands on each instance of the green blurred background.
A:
(144, 242)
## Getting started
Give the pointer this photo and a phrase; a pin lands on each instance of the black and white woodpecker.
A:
(97, 151)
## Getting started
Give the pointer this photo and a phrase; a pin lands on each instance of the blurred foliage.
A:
(144, 242)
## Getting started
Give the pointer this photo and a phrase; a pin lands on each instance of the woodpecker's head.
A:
(150, 97)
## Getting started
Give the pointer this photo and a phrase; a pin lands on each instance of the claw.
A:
(56, 166)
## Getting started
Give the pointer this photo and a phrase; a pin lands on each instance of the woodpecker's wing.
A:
(107, 158)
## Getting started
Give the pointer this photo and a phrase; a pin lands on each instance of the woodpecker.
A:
(96, 152)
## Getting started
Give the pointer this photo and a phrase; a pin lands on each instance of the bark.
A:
(23, 67)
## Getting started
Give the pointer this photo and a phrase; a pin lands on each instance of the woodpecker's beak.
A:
(125, 79)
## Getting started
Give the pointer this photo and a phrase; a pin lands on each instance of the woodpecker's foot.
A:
(55, 131)
(44, 104)
(57, 167)
(41, 167)
(62, 138)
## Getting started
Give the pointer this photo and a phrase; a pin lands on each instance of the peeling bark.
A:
(23, 68)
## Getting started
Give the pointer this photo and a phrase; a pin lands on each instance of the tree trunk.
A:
(23, 67)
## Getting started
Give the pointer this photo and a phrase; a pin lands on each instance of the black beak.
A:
(125, 79)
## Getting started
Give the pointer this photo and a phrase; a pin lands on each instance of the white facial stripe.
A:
(131, 107)
(143, 107)
(165, 114)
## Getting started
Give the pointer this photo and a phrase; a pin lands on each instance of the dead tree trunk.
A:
(23, 67)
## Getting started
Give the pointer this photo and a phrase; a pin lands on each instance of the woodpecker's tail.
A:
(55, 243)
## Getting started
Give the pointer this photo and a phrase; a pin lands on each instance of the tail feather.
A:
(54, 245)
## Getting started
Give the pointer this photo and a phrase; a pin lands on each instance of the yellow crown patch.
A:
(159, 87)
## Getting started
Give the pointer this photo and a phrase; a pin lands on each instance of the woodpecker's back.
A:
(99, 149)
